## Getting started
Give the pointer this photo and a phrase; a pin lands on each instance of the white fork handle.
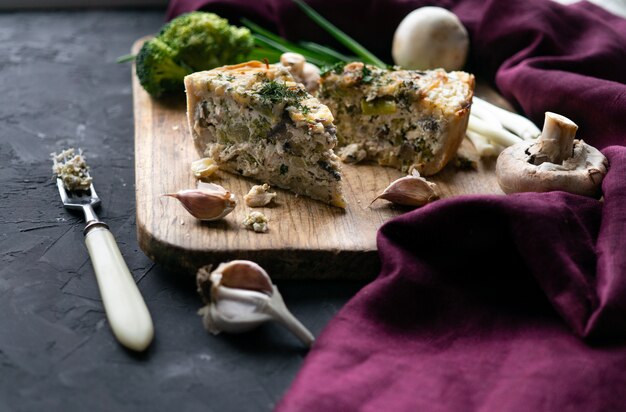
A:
(124, 306)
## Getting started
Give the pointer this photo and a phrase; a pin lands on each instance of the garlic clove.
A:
(278, 310)
(212, 188)
(259, 196)
(243, 274)
(203, 168)
(208, 204)
(411, 190)
(235, 310)
(240, 296)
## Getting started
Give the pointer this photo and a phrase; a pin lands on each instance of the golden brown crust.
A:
(456, 133)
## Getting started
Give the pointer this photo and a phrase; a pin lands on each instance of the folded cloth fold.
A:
(487, 302)
(475, 306)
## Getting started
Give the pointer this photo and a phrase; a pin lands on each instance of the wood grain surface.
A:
(306, 238)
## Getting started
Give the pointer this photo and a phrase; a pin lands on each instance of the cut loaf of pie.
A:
(255, 120)
(406, 119)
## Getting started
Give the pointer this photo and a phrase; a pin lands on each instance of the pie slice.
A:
(405, 119)
(255, 120)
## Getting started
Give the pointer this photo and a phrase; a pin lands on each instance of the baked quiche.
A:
(405, 119)
(255, 120)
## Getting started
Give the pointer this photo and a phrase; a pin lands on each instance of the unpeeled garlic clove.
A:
(208, 202)
(240, 296)
(411, 190)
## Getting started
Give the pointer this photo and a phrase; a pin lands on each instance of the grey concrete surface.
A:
(60, 87)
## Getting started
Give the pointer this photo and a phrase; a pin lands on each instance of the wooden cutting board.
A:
(306, 239)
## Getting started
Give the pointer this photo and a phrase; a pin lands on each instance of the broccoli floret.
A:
(158, 71)
(192, 42)
(205, 40)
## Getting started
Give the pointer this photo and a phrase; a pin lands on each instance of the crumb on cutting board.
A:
(256, 221)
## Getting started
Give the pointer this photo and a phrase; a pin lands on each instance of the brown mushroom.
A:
(555, 161)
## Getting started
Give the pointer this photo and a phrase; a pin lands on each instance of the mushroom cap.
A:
(295, 61)
(581, 174)
(429, 38)
(311, 77)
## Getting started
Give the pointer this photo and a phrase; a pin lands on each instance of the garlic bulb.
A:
(412, 190)
(240, 296)
(208, 202)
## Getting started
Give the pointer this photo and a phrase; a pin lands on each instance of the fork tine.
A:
(62, 191)
(94, 195)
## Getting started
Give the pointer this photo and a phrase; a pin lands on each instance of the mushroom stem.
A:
(556, 142)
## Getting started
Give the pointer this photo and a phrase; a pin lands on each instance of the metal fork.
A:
(125, 308)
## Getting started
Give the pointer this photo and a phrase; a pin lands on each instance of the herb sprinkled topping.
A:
(366, 75)
(277, 92)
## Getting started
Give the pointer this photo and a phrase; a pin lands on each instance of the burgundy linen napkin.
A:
(467, 313)
(487, 302)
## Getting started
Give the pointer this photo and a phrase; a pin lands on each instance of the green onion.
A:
(260, 53)
(260, 30)
(342, 37)
(327, 50)
(269, 39)
(267, 42)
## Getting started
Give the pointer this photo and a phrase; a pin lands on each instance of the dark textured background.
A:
(60, 87)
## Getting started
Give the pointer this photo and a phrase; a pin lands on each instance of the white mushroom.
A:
(293, 61)
(555, 161)
(310, 77)
(429, 38)
(302, 71)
